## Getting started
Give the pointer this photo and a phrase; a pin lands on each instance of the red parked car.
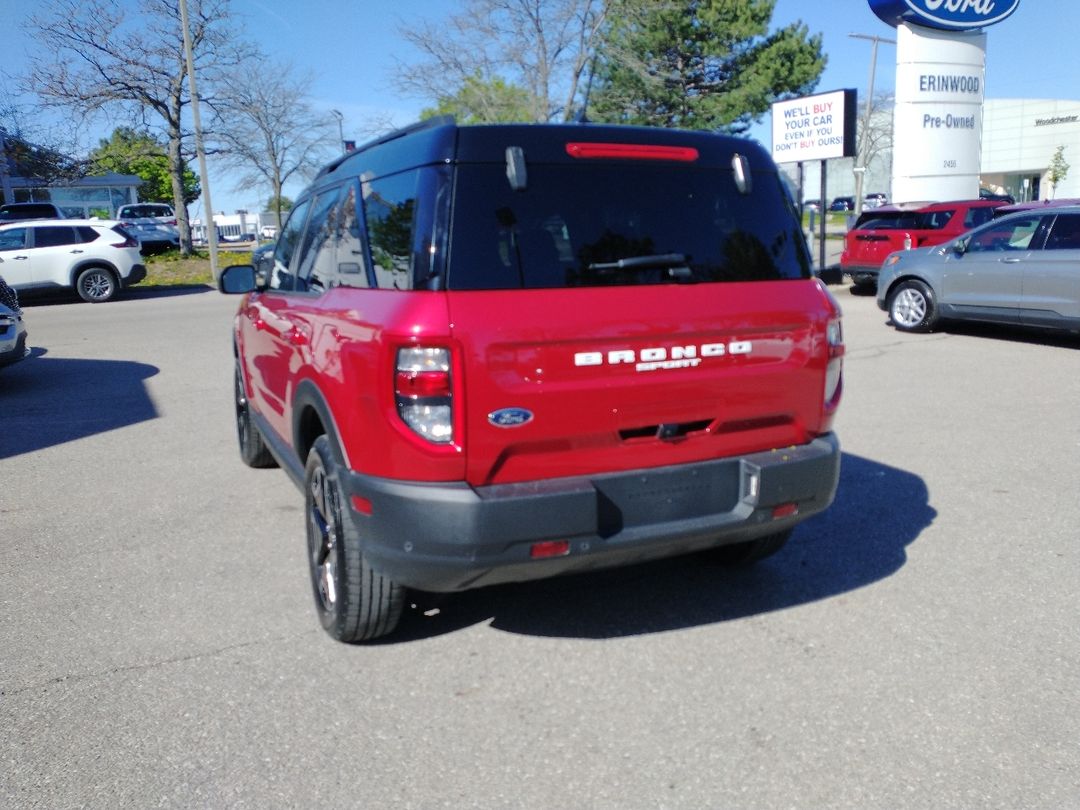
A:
(497, 353)
(880, 231)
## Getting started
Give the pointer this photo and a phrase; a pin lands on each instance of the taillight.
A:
(129, 240)
(834, 372)
(423, 393)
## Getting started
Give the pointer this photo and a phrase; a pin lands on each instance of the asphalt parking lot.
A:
(916, 646)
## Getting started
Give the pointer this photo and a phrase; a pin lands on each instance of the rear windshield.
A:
(28, 211)
(146, 211)
(588, 225)
(917, 220)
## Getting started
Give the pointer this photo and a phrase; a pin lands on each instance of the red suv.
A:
(498, 353)
(880, 231)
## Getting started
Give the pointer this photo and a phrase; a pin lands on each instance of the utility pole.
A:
(211, 226)
(860, 160)
(340, 131)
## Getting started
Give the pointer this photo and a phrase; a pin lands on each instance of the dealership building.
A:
(1019, 140)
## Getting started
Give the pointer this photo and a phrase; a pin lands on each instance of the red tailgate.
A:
(579, 381)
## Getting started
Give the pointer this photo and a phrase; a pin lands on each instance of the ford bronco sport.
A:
(497, 353)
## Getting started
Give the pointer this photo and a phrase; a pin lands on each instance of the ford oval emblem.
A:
(946, 15)
(510, 417)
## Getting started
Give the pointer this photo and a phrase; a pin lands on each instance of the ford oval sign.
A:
(947, 15)
(510, 417)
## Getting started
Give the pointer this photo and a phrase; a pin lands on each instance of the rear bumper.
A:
(861, 273)
(137, 274)
(13, 346)
(450, 537)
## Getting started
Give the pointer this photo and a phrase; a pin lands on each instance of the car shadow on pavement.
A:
(47, 401)
(861, 539)
(29, 300)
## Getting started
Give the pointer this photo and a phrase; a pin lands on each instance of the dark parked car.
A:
(32, 210)
(12, 329)
(987, 194)
(1022, 269)
(843, 204)
(1035, 205)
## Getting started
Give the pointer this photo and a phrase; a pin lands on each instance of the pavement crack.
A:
(144, 667)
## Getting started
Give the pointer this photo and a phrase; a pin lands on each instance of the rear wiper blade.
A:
(642, 262)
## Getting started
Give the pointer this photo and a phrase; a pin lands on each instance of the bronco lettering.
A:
(661, 357)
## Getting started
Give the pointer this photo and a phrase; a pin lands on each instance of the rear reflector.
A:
(414, 384)
(631, 151)
(362, 505)
(549, 548)
(785, 510)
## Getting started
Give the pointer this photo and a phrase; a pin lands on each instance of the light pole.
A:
(341, 132)
(860, 169)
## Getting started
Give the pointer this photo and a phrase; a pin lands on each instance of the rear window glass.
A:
(619, 224)
(141, 211)
(886, 222)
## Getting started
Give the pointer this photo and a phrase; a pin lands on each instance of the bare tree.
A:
(266, 132)
(95, 55)
(878, 146)
(543, 46)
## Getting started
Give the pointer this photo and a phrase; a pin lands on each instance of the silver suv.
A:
(12, 329)
(153, 224)
(91, 256)
(1019, 270)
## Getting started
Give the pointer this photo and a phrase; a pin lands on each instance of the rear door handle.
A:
(1011, 261)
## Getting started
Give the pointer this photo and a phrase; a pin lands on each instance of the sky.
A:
(350, 49)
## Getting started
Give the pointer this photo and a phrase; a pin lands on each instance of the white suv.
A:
(92, 256)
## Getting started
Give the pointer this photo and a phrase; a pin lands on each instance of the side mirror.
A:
(960, 247)
(237, 279)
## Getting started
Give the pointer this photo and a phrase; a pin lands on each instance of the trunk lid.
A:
(583, 381)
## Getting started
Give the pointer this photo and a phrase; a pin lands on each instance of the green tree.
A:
(140, 153)
(700, 64)
(278, 203)
(485, 102)
(1059, 169)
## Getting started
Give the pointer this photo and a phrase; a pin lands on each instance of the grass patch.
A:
(173, 270)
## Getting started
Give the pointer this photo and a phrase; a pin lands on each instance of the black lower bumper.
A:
(862, 275)
(137, 274)
(450, 537)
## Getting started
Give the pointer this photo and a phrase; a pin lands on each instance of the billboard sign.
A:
(815, 127)
(946, 15)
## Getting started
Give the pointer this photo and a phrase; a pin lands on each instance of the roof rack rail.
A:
(418, 126)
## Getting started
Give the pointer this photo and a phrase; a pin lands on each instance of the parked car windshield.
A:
(619, 224)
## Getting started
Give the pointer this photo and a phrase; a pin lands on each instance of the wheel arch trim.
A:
(309, 399)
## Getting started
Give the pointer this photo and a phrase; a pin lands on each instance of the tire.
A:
(354, 602)
(96, 285)
(863, 287)
(253, 449)
(749, 552)
(912, 307)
